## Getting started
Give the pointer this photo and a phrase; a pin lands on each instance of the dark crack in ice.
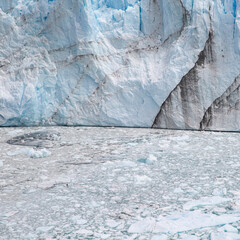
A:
(36, 139)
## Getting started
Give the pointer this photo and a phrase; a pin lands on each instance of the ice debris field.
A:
(118, 184)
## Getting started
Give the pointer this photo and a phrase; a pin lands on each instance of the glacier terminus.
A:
(137, 63)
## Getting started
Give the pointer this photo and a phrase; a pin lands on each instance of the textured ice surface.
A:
(224, 236)
(30, 152)
(36, 139)
(203, 202)
(181, 222)
(160, 63)
(93, 185)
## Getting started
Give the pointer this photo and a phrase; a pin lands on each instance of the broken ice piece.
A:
(205, 201)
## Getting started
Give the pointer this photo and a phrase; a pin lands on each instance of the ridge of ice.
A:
(181, 222)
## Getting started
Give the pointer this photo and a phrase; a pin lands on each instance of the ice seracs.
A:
(160, 63)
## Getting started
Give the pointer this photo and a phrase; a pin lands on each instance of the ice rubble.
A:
(31, 152)
(207, 201)
(161, 63)
(191, 192)
(181, 222)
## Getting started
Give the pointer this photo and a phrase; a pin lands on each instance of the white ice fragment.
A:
(30, 236)
(102, 236)
(41, 153)
(160, 237)
(142, 226)
(121, 179)
(224, 236)
(44, 229)
(63, 179)
(30, 152)
(94, 204)
(127, 164)
(20, 151)
(15, 132)
(47, 184)
(142, 179)
(219, 210)
(84, 232)
(181, 222)
(178, 190)
(205, 201)
(10, 214)
(220, 192)
(186, 221)
(145, 213)
(1, 163)
(111, 223)
(187, 237)
(55, 208)
(150, 160)
(181, 138)
(228, 228)
(78, 220)
(69, 210)
(191, 191)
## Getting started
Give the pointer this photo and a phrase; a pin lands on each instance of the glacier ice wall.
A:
(151, 63)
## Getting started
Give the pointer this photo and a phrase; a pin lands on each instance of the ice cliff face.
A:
(160, 63)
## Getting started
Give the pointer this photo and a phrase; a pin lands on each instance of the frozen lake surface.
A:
(113, 183)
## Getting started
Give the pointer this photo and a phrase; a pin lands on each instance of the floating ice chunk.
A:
(78, 220)
(219, 210)
(203, 202)
(142, 160)
(178, 190)
(46, 184)
(150, 160)
(160, 237)
(41, 153)
(228, 228)
(181, 138)
(185, 237)
(1, 163)
(127, 164)
(30, 152)
(142, 179)
(145, 225)
(111, 223)
(15, 132)
(21, 151)
(145, 213)
(102, 236)
(84, 232)
(121, 179)
(9, 214)
(30, 236)
(224, 236)
(44, 229)
(94, 204)
(220, 192)
(181, 222)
